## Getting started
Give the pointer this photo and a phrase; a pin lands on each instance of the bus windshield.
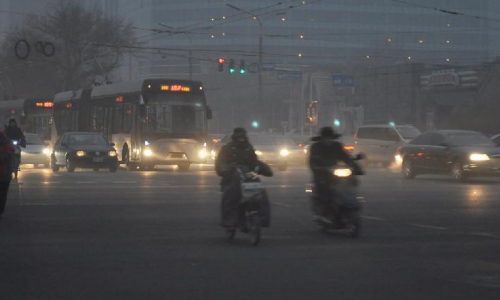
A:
(175, 113)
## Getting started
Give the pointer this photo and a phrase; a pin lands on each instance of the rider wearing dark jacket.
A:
(237, 152)
(14, 133)
(326, 153)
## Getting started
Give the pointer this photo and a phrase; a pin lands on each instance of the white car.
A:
(36, 152)
(379, 143)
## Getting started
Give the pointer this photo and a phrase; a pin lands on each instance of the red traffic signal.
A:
(222, 61)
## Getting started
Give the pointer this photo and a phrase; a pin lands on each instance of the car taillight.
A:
(349, 147)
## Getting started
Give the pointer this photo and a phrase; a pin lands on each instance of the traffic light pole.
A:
(261, 106)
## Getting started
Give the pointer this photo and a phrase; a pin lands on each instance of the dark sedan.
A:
(83, 150)
(458, 152)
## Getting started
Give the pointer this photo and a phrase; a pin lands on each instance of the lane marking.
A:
(85, 182)
(373, 218)
(485, 234)
(428, 226)
(125, 182)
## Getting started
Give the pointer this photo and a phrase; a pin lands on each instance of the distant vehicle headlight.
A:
(479, 157)
(46, 151)
(80, 153)
(202, 153)
(398, 158)
(258, 153)
(342, 172)
(112, 153)
(284, 152)
(148, 152)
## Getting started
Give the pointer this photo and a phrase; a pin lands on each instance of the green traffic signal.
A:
(255, 124)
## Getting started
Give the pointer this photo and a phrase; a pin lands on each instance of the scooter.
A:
(252, 191)
(16, 160)
(342, 212)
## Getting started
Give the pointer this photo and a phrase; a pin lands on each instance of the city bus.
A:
(150, 121)
(32, 115)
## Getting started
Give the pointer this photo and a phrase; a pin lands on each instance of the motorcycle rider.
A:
(238, 152)
(14, 133)
(326, 153)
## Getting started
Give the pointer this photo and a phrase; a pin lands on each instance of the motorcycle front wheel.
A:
(254, 228)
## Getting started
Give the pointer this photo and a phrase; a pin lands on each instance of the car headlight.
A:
(398, 158)
(202, 154)
(258, 153)
(284, 152)
(479, 157)
(148, 152)
(80, 153)
(342, 172)
(112, 153)
(46, 151)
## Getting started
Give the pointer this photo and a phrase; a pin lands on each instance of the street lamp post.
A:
(261, 47)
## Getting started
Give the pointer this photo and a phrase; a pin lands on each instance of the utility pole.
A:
(190, 64)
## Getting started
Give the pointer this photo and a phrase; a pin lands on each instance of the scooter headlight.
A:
(342, 172)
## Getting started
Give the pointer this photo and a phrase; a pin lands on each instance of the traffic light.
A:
(242, 67)
(336, 123)
(255, 124)
(232, 69)
(222, 60)
(392, 124)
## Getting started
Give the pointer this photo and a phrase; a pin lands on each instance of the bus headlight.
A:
(284, 152)
(202, 154)
(148, 152)
(112, 153)
(479, 157)
(80, 153)
(46, 151)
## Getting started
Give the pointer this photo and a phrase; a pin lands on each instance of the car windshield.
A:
(408, 132)
(469, 139)
(87, 139)
(34, 139)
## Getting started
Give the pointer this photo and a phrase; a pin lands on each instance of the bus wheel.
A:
(183, 166)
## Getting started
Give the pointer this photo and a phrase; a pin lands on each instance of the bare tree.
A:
(88, 47)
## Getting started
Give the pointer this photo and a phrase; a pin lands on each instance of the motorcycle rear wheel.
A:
(354, 226)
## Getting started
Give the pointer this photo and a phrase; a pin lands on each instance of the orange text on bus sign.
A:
(176, 88)
(47, 104)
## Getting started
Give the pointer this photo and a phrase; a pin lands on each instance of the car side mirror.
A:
(112, 144)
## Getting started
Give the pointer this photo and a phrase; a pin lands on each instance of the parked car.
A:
(36, 152)
(83, 150)
(379, 142)
(458, 152)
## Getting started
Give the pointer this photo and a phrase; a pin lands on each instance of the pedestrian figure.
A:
(6, 155)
